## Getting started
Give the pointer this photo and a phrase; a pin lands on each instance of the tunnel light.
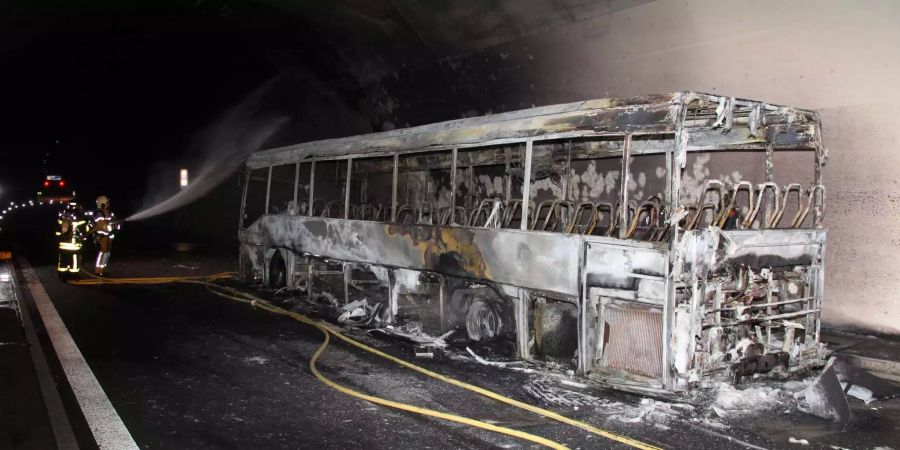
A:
(183, 178)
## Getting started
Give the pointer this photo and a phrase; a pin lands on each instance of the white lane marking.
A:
(59, 421)
(105, 424)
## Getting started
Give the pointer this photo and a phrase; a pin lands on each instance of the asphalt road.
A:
(187, 369)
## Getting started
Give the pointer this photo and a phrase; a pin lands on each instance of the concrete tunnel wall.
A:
(838, 57)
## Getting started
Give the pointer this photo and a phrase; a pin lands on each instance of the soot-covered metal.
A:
(581, 233)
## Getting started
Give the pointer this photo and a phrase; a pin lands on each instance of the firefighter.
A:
(73, 230)
(105, 227)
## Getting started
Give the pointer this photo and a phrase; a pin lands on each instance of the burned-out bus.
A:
(661, 242)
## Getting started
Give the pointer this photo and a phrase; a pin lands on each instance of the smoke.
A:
(220, 150)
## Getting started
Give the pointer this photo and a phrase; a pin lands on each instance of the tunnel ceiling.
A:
(99, 75)
(376, 39)
(404, 63)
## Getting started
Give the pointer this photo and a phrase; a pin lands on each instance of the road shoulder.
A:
(105, 425)
(24, 419)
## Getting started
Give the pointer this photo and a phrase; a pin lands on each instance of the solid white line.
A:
(105, 424)
(56, 412)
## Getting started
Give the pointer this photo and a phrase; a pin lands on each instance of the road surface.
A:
(186, 369)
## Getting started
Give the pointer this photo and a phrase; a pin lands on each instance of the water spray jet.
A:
(224, 148)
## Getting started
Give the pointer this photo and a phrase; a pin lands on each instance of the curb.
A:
(879, 367)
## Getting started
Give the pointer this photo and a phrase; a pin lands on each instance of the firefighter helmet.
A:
(102, 202)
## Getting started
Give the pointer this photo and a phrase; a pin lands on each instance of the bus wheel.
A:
(277, 272)
(483, 321)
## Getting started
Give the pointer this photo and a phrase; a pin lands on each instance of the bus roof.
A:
(648, 114)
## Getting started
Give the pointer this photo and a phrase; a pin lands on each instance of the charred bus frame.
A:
(660, 292)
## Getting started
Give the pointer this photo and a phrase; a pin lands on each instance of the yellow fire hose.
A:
(151, 280)
(328, 330)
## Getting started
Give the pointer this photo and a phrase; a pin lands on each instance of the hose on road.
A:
(328, 330)
(243, 297)
(94, 279)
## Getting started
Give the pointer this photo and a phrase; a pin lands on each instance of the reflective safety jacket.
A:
(104, 223)
(72, 231)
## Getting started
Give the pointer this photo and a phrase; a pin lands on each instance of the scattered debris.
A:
(326, 297)
(485, 362)
(360, 313)
(731, 401)
(825, 396)
(548, 391)
(859, 392)
(412, 332)
(713, 424)
(257, 359)
(653, 411)
(573, 384)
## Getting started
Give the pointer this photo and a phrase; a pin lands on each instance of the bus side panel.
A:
(535, 260)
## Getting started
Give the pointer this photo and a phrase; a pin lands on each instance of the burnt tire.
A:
(483, 321)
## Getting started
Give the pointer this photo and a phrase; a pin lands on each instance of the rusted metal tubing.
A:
(761, 191)
(732, 202)
(600, 208)
(810, 197)
(785, 193)
(651, 208)
(577, 225)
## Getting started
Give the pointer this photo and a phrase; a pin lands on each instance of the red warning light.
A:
(62, 183)
(46, 183)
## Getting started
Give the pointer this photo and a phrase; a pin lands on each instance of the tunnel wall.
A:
(838, 57)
